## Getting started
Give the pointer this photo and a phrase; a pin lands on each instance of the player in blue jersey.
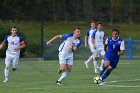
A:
(88, 42)
(114, 47)
(15, 44)
(67, 48)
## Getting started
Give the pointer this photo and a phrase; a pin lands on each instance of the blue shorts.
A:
(113, 61)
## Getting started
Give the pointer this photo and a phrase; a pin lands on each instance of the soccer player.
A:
(67, 48)
(98, 39)
(114, 47)
(88, 42)
(15, 43)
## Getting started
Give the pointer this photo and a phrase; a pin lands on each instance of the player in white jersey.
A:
(66, 50)
(15, 43)
(88, 42)
(98, 39)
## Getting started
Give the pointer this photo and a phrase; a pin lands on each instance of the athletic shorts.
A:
(113, 62)
(65, 58)
(99, 52)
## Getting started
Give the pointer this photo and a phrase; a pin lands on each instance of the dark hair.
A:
(116, 30)
(13, 27)
(77, 28)
(99, 23)
(92, 22)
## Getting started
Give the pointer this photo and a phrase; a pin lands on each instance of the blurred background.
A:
(39, 20)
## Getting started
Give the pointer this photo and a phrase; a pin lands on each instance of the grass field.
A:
(40, 77)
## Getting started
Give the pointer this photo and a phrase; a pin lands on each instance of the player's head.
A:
(77, 32)
(14, 30)
(92, 24)
(115, 33)
(99, 26)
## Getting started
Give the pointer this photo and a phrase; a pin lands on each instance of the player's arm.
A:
(93, 43)
(22, 45)
(1, 45)
(73, 48)
(105, 44)
(122, 48)
(86, 39)
(54, 38)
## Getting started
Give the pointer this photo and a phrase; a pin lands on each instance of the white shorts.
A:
(66, 59)
(99, 52)
(91, 48)
(9, 60)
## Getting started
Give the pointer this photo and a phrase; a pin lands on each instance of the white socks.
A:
(90, 59)
(6, 73)
(102, 63)
(95, 66)
(64, 74)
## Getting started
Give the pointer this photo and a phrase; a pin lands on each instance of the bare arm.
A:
(54, 38)
(121, 52)
(20, 47)
(86, 40)
(93, 43)
(1, 45)
(73, 49)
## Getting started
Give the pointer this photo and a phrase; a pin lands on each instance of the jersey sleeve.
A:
(79, 43)
(93, 35)
(6, 39)
(87, 32)
(122, 46)
(65, 36)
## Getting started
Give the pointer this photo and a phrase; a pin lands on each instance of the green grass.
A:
(40, 77)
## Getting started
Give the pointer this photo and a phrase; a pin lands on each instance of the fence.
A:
(132, 51)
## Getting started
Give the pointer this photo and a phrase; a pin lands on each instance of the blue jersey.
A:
(113, 47)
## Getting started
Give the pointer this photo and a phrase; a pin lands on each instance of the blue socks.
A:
(105, 75)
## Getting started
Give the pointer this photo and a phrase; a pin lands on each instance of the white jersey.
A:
(99, 38)
(89, 33)
(68, 40)
(13, 42)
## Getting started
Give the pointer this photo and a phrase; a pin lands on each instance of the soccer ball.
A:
(97, 80)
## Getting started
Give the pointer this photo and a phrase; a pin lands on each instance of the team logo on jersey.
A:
(119, 42)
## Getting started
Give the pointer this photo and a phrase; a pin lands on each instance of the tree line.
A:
(71, 10)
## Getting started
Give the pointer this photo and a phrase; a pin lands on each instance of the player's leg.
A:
(8, 61)
(15, 62)
(69, 63)
(105, 66)
(89, 59)
(102, 61)
(62, 62)
(96, 54)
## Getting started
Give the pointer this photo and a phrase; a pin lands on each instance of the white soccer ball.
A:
(97, 80)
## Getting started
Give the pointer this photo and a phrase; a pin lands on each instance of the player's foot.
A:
(59, 71)
(86, 64)
(6, 80)
(58, 82)
(102, 83)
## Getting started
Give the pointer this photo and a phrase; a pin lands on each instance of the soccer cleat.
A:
(59, 71)
(102, 83)
(6, 80)
(58, 82)
(86, 64)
